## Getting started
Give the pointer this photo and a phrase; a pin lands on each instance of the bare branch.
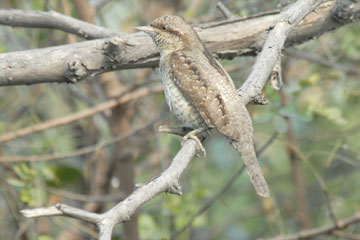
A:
(271, 51)
(315, 58)
(54, 20)
(139, 93)
(224, 10)
(62, 210)
(326, 229)
(78, 152)
(228, 39)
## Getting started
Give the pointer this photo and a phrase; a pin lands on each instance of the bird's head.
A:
(171, 33)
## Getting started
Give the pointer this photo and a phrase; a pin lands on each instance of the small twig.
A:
(315, 58)
(62, 210)
(54, 20)
(344, 235)
(99, 4)
(139, 93)
(78, 152)
(224, 10)
(320, 181)
(323, 230)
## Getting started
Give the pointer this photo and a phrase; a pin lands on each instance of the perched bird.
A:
(200, 92)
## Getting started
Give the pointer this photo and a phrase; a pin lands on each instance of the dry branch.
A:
(228, 39)
(78, 152)
(139, 93)
(54, 20)
(123, 210)
(326, 229)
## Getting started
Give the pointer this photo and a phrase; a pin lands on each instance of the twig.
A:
(320, 181)
(323, 230)
(343, 235)
(62, 210)
(78, 152)
(54, 20)
(139, 93)
(314, 58)
(224, 10)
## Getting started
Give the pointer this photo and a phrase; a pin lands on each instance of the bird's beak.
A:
(147, 29)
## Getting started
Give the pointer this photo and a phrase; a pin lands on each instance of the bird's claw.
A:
(193, 135)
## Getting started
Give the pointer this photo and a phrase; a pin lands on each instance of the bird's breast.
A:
(178, 104)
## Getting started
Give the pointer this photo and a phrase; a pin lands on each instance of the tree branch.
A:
(54, 20)
(326, 229)
(271, 51)
(78, 152)
(139, 93)
(229, 38)
(123, 210)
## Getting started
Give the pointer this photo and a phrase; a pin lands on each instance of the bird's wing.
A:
(219, 105)
(195, 84)
(215, 63)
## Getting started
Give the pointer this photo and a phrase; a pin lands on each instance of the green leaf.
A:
(16, 182)
(67, 174)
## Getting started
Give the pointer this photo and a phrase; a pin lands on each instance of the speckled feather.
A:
(201, 93)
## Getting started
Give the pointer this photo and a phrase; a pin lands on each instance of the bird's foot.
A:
(193, 135)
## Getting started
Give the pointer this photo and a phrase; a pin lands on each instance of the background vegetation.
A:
(312, 164)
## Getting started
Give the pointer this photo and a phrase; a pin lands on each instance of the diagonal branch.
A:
(324, 230)
(271, 51)
(78, 152)
(123, 210)
(139, 93)
(54, 20)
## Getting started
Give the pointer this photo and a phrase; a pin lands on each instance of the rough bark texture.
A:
(228, 39)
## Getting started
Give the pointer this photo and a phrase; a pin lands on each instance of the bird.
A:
(200, 92)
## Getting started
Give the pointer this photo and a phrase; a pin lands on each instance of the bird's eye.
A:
(164, 27)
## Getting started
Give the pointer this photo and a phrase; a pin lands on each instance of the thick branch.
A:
(229, 38)
(54, 20)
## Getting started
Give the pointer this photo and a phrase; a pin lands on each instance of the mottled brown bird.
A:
(200, 92)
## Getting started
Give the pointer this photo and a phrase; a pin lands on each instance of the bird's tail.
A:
(246, 148)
